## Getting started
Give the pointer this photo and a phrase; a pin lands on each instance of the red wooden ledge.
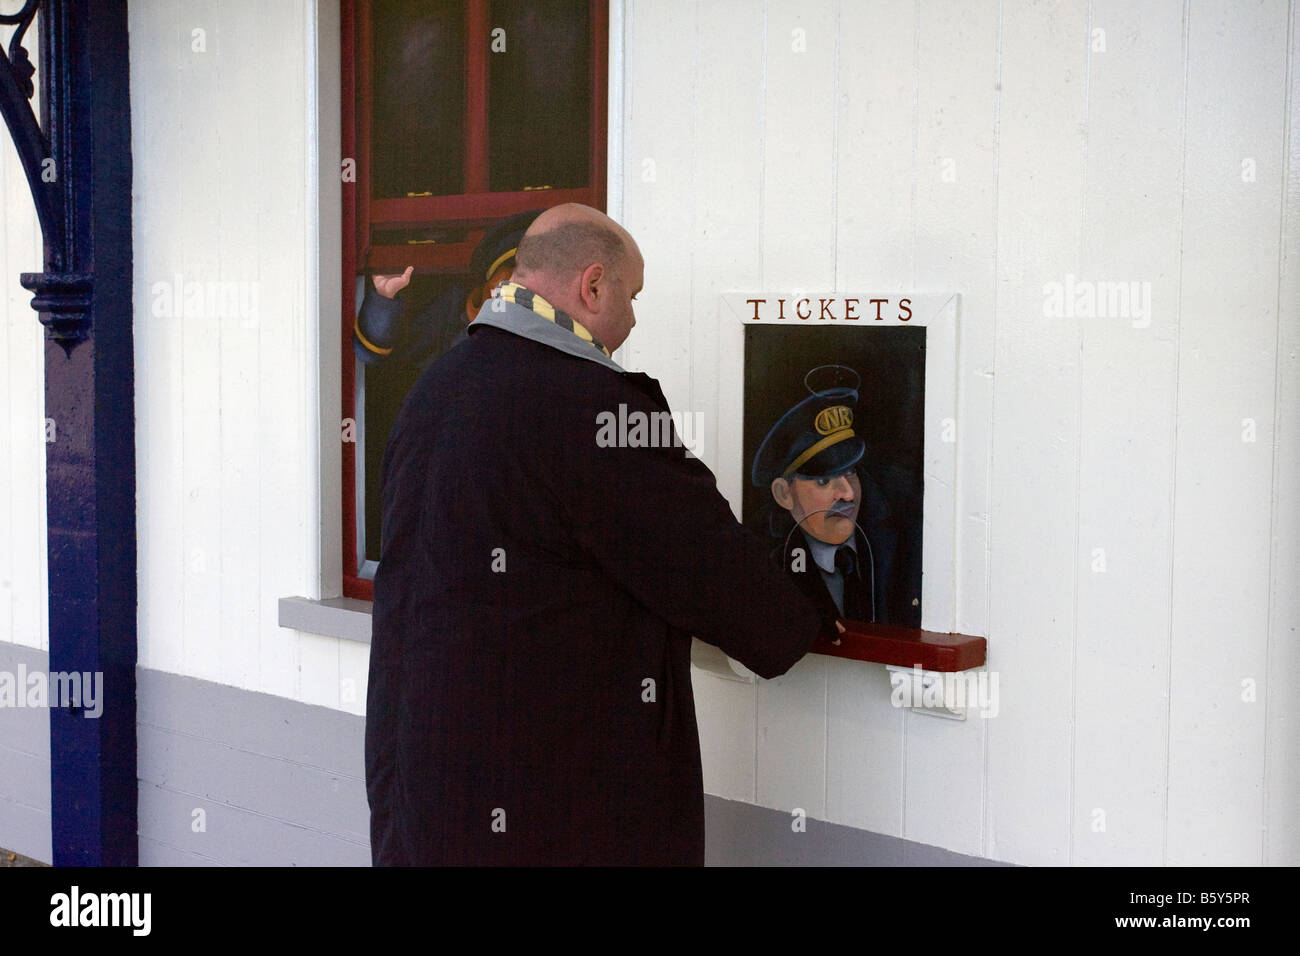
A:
(907, 647)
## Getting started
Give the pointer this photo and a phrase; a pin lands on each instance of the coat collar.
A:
(507, 310)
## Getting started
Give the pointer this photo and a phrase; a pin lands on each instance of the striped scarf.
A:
(514, 292)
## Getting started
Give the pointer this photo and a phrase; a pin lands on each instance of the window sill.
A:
(341, 617)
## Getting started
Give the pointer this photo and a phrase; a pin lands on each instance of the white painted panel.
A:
(199, 153)
(354, 673)
(874, 142)
(23, 595)
(1035, 442)
(953, 238)
(727, 192)
(286, 440)
(240, 361)
(318, 663)
(1132, 194)
(799, 128)
(792, 738)
(725, 711)
(159, 227)
(1281, 769)
(864, 746)
(227, 407)
(659, 95)
(1224, 479)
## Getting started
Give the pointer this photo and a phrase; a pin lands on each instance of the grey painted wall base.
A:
(229, 777)
(25, 763)
(741, 834)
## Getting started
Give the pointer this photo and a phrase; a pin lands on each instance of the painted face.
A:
(827, 508)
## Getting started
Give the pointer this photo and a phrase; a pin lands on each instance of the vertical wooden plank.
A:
(657, 206)
(725, 242)
(1035, 442)
(18, 211)
(874, 145)
(798, 209)
(200, 152)
(726, 194)
(799, 130)
(873, 140)
(1226, 428)
(23, 567)
(1132, 194)
(158, 121)
(286, 438)
(725, 711)
(953, 238)
(792, 738)
(241, 362)
(1281, 769)
(864, 749)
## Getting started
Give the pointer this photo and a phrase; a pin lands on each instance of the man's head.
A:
(825, 507)
(581, 261)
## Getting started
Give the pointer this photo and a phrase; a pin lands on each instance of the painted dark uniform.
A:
(878, 576)
(530, 692)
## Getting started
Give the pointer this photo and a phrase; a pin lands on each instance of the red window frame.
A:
(474, 209)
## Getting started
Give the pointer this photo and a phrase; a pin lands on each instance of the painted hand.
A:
(389, 286)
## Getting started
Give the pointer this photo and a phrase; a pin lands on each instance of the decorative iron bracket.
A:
(62, 291)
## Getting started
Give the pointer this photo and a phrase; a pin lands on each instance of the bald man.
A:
(530, 691)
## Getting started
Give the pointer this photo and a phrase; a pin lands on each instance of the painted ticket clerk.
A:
(829, 515)
(389, 326)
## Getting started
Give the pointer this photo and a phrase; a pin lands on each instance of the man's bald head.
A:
(565, 239)
(585, 263)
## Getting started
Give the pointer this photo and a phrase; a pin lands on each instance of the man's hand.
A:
(839, 627)
(389, 286)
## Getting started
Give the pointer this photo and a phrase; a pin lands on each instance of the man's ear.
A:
(781, 493)
(592, 286)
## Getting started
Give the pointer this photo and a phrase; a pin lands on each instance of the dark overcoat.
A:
(530, 689)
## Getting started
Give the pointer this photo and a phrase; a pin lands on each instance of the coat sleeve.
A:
(654, 520)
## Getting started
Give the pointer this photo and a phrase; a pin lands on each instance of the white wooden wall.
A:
(1112, 155)
(742, 164)
(228, 187)
(24, 607)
